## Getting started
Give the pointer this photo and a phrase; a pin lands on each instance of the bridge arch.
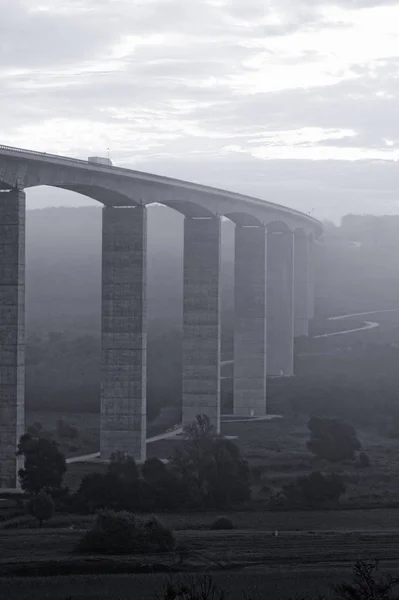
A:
(244, 219)
(187, 208)
(278, 227)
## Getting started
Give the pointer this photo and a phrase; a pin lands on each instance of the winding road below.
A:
(366, 324)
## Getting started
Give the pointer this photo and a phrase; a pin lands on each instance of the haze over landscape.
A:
(291, 101)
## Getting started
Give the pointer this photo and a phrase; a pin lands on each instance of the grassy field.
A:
(280, 583)
(209, 548)
(295, 562)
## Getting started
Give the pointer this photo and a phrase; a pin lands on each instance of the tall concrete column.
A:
(250, 321)
(124, 332)
(12, 332)
(301, 283)
(280, 303)
(311, 290)
(201, 320)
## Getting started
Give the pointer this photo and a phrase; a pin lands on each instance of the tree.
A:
(211, 468)
(41, 506)
(153, 470)
(120, 488)
(123, 466)
(332, 439)
(315, 489)
(163, 489)
(44, 466)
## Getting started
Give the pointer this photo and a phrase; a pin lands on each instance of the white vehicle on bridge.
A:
(100, 160)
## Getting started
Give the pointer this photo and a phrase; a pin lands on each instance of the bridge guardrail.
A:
(44, 154)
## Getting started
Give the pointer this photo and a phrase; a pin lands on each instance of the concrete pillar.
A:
(280, 303)
(311, 290)
(12, 333)
(201, 320)
(250, 321)
(124, 332)
(301, 283)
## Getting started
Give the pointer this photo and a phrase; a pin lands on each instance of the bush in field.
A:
(364, 461)
(332, 439)
(313, 490)
(121, 533)
(159, 537)
(222, 523)
(41, 506)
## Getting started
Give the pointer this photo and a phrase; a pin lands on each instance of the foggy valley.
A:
(199, 300)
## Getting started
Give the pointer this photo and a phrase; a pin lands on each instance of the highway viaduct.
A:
(273, 294)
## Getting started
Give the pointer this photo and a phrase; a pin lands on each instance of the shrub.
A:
(364, 461)
(314, 490)
(121, 533)
(41, 506)
(222, 523)
(367, 584)
(332, 439)
(256, 473)
(159, 537)
(192, 588)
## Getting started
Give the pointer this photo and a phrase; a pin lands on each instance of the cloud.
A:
(210, 89)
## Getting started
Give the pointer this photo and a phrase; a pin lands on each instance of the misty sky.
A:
(294, 101)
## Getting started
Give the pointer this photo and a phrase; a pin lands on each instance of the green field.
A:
(273, 567)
